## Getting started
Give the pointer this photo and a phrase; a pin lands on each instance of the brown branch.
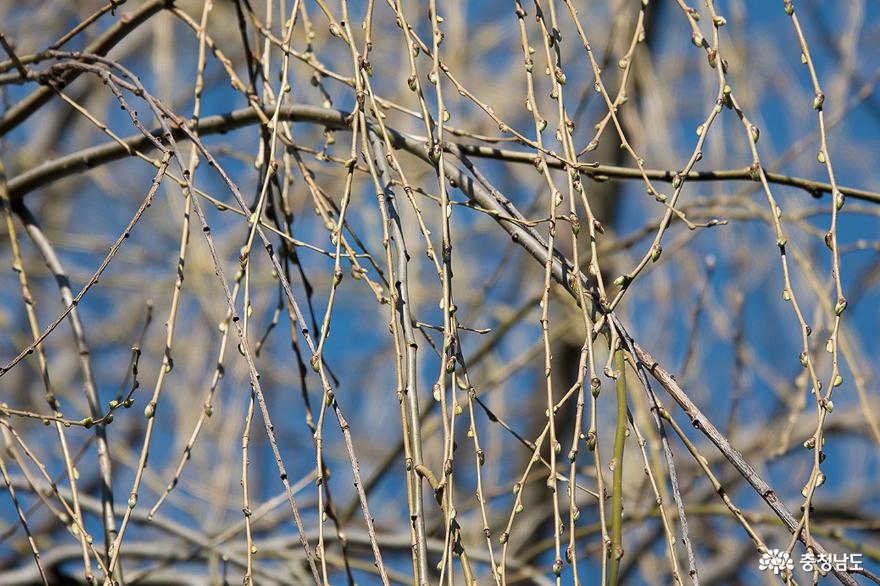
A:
(91, 157)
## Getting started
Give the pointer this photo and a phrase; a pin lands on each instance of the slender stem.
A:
(617, 486)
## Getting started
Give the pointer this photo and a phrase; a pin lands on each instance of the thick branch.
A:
(91, 157)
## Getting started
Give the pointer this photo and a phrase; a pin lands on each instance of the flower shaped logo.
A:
(775, 560)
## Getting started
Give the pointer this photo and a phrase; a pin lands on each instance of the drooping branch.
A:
(504, 213)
